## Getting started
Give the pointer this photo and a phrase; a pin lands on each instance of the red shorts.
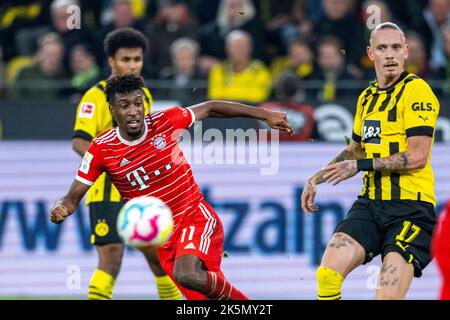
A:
(200, 234)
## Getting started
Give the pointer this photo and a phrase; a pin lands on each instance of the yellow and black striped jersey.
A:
(384, 119)
(93, 117)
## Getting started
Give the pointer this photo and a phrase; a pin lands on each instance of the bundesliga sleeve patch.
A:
(86, 110)
(86, 162)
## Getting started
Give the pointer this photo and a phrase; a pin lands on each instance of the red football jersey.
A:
(152, 165)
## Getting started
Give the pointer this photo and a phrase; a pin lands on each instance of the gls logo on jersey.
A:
(371, 132)
(422, 106)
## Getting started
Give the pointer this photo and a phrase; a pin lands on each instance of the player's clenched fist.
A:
(278, 120)
(58, 213)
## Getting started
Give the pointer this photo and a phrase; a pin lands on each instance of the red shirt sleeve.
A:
(181, 118)
(91, 166)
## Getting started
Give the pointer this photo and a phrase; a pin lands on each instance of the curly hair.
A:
(124, 38)
(120, 84)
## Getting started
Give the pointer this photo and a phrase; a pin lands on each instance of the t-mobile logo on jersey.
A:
(140, 176)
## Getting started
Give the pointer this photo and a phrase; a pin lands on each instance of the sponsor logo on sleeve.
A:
(422, 106)
(86, 162)
(86, 110)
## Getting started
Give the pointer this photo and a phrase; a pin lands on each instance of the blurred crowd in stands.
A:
(245, 50)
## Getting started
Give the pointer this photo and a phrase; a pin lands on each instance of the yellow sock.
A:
(101, 286)
(329, 283)
(167, 290)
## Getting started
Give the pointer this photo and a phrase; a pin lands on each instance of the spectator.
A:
(173, 21)
(339, 20)
(121, 17)
(331, 69)
(408, 12)
(40, 81)
(436, 15)
(70, 37)
(232, 15)
(417, 61)
(205, 10)
(276, 16)
(21, 23)
(299, 62)
(85, 71)
(239, 78)
(443, 73)
(186, 80)
(296, 25)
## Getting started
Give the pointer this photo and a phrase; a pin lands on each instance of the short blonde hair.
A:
(386, 25)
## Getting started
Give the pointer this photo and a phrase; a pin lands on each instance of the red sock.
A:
(218, 288)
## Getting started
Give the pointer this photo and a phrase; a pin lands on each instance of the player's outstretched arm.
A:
(68, 204)
(415, 157)
(353, 152)
(225, 109)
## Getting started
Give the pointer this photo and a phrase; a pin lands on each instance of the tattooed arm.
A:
(415, 157)
(352, 152)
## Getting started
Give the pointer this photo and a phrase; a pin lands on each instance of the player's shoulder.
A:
(367, 91)
(418, 88)
(168, 112)
(170, 115)
(93, 101)
(146, 91)
(415, 82)
(97, 90)
(105, 137)
(160, 115)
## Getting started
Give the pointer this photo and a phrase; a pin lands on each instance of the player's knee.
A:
(111, 258)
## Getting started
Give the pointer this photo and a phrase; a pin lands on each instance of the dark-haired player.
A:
(155, 166)
(125, 50)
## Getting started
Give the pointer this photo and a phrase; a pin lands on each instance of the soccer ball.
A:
(145, 222)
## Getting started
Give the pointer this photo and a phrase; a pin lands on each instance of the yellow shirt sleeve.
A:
(357, 123)
(421, 109)
(87, 117)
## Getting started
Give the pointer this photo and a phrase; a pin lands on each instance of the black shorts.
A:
(383, 226)
(103, 218)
